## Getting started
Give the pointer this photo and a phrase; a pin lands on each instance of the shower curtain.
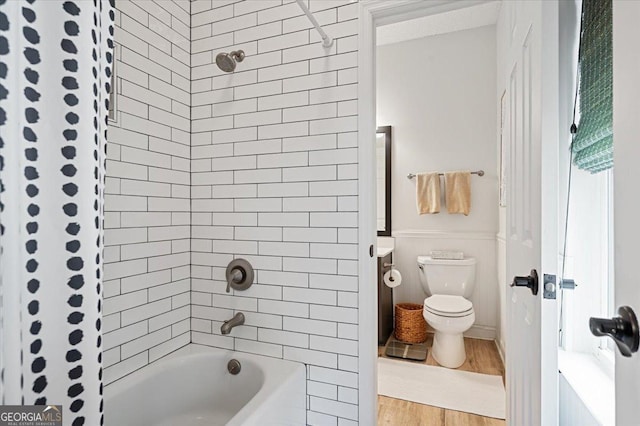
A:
(55, 70)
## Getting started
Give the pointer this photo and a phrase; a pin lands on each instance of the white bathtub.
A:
(192, 386)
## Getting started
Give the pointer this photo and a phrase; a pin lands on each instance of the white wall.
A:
(439, 95)
(274, 179)
(147, 248)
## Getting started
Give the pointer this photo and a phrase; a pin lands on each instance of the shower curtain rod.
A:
(326, 40)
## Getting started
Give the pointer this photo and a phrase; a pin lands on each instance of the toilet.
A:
(449, 285)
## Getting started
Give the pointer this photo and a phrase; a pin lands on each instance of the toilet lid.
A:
(448, 304)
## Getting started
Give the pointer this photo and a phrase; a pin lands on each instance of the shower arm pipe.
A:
(326, 40)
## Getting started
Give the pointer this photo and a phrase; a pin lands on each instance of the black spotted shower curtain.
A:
(55, 69)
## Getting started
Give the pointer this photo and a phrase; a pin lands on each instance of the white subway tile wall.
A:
(205, 166)
(274, 181)
(147, 274)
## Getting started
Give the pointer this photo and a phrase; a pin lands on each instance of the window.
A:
(589, 255)
(593, 145)
(590, 252)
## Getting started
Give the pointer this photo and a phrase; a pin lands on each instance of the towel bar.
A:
(479, 173)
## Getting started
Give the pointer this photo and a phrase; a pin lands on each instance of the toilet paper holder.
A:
(392, 278)
(388, 265)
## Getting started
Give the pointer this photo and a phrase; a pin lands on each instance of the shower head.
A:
(227, 61)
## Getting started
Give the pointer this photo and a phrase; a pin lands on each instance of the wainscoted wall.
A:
(147, 254)
(274, 180)
(482, 246)
(442, 107)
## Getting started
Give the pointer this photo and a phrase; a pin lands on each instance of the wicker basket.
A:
(410, 324)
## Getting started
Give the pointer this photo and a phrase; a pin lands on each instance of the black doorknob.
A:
(622, 329)
(530, 281)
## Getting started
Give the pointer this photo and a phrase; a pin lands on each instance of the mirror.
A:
(383, 184)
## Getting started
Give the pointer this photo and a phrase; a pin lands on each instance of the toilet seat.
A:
(448, 305)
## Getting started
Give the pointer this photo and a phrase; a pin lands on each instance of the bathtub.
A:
(192, 386)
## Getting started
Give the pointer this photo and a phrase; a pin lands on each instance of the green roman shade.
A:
(593, 143)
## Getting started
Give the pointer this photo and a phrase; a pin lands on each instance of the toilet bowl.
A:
(450, 316)
(447, 309)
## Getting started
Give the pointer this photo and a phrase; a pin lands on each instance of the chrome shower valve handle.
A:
(239, 275)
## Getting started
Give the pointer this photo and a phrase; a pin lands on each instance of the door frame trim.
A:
(550, 214)
(625, 174)
(371, 14)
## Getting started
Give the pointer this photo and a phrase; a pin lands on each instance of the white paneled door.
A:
(531, 58)
(626, 128)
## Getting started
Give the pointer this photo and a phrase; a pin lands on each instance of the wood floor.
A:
(482, 357)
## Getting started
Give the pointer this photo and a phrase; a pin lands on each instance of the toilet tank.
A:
(446, 276)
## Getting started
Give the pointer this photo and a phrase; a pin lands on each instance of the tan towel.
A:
(428, 193)
(458, 192)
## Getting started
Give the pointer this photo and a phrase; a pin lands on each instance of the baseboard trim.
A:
(500, 346)
(481, 332)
